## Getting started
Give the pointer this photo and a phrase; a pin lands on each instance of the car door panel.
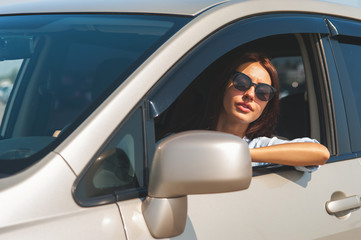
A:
(282, 205)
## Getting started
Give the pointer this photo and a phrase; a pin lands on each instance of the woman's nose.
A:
(250, 94)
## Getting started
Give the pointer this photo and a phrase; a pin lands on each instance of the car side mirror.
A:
(192, 162)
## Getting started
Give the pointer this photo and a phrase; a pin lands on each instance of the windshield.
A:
(53, 68)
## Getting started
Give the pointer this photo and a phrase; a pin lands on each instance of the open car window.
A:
(299, 103)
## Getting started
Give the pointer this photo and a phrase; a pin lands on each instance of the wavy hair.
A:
(265, 124)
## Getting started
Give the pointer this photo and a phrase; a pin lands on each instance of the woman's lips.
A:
(244, 107)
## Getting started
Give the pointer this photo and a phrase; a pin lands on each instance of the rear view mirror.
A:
(16, 47)
(193, 162)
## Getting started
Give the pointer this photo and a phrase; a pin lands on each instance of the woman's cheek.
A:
(260, 108)
(229, 100)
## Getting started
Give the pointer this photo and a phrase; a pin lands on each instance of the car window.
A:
(351, 50)
(185, 111)
(70, 63)
(294, 105)
(118, 168)
(297, 92)
(9, 70)
(291, 75)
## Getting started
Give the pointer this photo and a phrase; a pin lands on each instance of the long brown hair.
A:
(265, 124)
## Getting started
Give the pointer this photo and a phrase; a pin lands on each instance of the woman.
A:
(246, 104)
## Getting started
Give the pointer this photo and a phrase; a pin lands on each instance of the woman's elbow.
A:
(323, 155)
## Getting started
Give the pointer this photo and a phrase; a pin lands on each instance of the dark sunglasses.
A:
(242, 82)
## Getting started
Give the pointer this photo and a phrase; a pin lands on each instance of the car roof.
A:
(174, 7)
(183, 7)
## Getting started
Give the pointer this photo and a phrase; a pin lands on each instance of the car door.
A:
(281, 202)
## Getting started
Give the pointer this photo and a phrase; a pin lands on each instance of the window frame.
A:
(343, 86)
(177, 79)
(226, 39)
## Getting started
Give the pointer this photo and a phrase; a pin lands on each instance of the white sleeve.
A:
(265, 142)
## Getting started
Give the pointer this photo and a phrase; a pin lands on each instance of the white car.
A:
(98, 84)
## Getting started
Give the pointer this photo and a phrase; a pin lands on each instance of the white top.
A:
(265, 142)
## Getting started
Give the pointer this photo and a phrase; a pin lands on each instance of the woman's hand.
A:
(293, 154)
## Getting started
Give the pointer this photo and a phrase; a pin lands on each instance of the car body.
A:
(98, 87)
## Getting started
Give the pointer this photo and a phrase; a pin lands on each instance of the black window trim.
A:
(342, 132)
(346, 28)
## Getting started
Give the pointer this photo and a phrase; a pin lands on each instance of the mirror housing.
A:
(192, 162)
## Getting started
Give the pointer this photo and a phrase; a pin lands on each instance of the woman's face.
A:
(243, 107)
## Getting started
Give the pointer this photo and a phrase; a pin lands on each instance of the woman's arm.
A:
(293, 154)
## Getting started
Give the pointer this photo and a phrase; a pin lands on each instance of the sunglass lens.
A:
(241, 82)
(264, 92)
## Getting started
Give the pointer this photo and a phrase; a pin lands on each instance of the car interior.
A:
(298, 102)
